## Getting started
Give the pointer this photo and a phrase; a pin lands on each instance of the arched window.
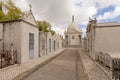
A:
(73, 37)
(66, 36)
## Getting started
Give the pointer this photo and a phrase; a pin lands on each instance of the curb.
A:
(102, 68)
(84, 67)
(27, 73)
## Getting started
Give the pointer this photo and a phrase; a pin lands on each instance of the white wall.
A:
(16, 39)
(107, 39)
(49, 36)
(11, 36)
(25, 30)
(1, 37)
(75, 41)
(17, 33)
(42, 36)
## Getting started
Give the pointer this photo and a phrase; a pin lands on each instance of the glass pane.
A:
(31, 45)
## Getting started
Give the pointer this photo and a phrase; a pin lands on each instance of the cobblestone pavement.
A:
(66, 66)
(93, 71)
(12, 72)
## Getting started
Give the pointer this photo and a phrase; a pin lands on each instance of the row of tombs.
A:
(102, 42)
(22, 40)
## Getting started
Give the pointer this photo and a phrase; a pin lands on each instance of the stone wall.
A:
(1, 36)
(25, 30)
(11, 38)
(16, 37)
(107, 39)
(42, 43)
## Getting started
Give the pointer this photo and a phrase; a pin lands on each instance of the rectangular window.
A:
(31, 45)
(43, 44)
(49, 45)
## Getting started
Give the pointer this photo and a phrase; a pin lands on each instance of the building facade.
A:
(84, 46)
(22, 36)
(102, 37)
(73, 36)
(49, 43)
(42, 43)
(54, 42)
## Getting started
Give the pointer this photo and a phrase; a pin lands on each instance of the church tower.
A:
(73, 36)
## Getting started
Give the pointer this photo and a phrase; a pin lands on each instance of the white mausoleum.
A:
(73, 36)
(102, 37)
(20, 35)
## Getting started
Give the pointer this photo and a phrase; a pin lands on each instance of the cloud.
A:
(110, 15)
(59, 12)
(23, 4)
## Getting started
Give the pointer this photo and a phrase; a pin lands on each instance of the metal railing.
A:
(116, 74)
(7, 58)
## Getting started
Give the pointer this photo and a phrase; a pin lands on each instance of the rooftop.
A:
(114, 54)
(108, 24)
(73, 28)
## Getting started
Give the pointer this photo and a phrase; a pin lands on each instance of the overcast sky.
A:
(59, 12)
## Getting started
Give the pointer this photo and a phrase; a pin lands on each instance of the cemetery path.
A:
(67, 66)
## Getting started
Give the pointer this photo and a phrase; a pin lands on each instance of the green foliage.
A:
(14, 13)
(53, 32)
(1, 12)
(43, 26)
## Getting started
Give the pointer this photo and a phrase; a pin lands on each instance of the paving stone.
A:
(13, 71)
(66, 66)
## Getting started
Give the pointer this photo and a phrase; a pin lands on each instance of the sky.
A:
(59, 12)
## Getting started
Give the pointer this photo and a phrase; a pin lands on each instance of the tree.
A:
(43, 26)
(53, 32)
(13, 12)
(2, 16)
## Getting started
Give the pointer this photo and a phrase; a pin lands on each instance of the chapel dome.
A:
(73, 28)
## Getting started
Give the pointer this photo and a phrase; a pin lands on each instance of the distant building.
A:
(54, 42)
(102, 37)
(49, 43)
(73, 36)
(57, 42)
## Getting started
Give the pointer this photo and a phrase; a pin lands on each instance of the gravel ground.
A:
(93, 71)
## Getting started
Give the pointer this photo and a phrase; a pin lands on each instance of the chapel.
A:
(73, 36)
